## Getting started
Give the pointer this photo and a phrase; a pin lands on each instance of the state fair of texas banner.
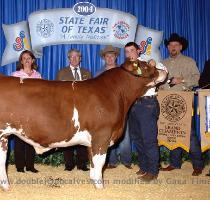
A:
(67, 26)
(204, 111)
(174, 124)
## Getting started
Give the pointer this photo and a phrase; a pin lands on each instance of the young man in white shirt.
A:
(143, 122)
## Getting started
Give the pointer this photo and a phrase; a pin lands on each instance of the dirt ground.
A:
(120, 183)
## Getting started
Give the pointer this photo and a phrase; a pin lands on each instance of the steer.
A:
(52, 114)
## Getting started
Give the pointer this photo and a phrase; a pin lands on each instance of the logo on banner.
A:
(173, 107)
(45, 28)
(121, 30)
(146, 46)
(21, 42)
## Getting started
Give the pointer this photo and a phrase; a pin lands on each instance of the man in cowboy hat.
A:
(183, 76)
(183, 72)
(109, 54)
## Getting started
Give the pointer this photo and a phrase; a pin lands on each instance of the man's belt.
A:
(147, 97)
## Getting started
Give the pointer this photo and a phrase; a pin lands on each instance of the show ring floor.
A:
(53, 183)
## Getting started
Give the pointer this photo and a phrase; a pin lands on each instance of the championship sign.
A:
(174, 124)
(204, 108)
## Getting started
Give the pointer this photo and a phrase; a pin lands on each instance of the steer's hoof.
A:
(97, 183)
(99, 186)
(6, 188)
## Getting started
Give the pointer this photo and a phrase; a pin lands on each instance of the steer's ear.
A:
(137, 68)
(127, 65)
(143, 68)
(152, 63)
(148, 69)
(134, 67)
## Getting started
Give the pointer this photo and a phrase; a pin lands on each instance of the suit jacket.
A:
(65, 74)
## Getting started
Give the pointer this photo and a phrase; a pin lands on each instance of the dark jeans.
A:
(24, 154)
(81, 158)
(143, 130)
(195, 153)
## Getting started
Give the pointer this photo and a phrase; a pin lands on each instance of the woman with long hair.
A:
(23, 152)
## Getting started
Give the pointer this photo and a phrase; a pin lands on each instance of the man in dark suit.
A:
(70, 73)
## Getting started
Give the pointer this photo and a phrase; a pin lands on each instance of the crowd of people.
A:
(183, 75)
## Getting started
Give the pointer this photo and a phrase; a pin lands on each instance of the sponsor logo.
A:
(146, 46)
(121, 30)
(21, 42)
(45, 28)
(173, 107)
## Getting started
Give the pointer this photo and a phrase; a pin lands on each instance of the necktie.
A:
(76, 75)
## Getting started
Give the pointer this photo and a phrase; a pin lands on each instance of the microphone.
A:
(169, 81)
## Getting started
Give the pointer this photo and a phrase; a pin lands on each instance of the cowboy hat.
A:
(174, 37)
(109, 49)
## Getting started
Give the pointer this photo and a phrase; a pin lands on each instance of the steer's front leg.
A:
(98, 161)
(99, 146)
(4, 183)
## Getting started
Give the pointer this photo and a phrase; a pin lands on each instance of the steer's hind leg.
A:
(90, 156)
(4, 183)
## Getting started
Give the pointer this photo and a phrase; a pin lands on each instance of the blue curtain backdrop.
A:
(189, 18)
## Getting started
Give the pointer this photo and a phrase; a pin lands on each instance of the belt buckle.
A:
(149, 97)
(145, 97)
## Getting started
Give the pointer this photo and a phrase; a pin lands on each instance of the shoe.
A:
(147, 177)
(84, 168)
(128, 166)
(208, 173)
(69, 168)
(32, 170)
(169, 168)
(21, 170)
(110, 166)
(197, 172)
(140, 173)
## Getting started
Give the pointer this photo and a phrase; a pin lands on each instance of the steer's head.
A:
(141, 69)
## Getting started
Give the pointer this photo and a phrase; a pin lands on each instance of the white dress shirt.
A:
(78, 71)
